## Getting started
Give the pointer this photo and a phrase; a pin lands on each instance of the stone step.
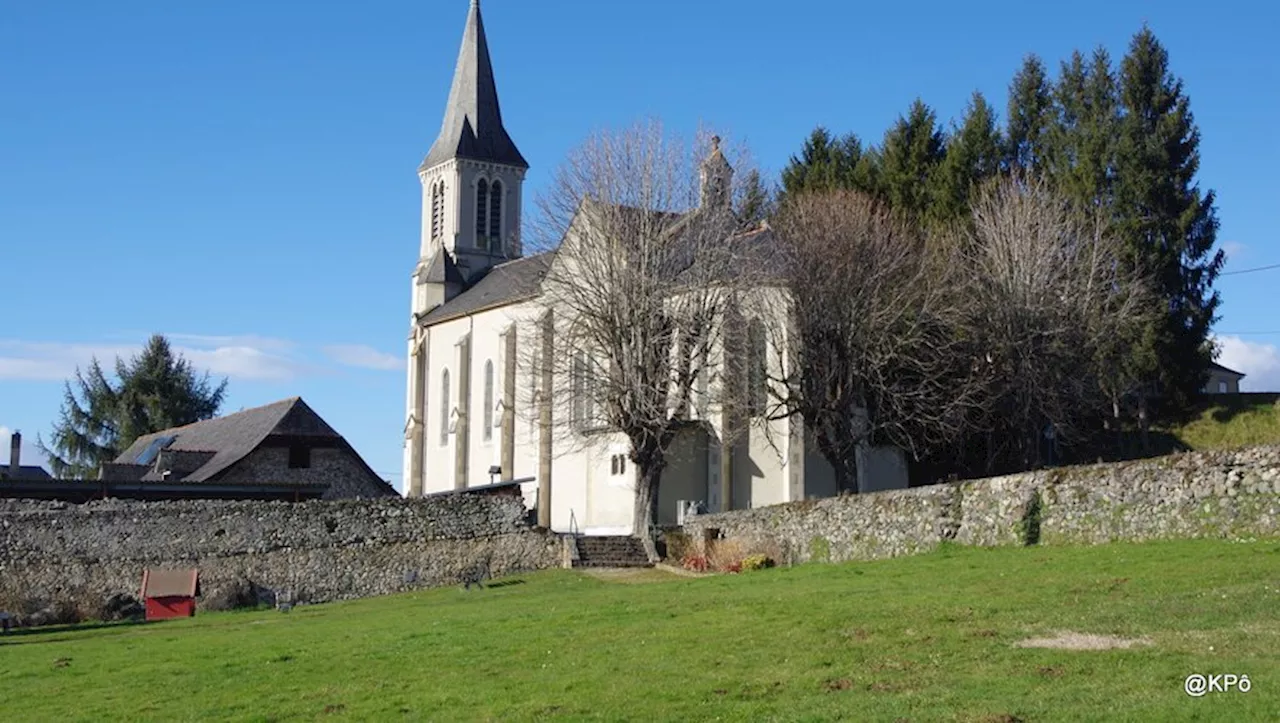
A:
(613, 551)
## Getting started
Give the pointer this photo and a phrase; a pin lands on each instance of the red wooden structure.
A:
(170, 593)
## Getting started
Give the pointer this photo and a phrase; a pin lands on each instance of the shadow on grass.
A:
(27, 636)
(505, 583)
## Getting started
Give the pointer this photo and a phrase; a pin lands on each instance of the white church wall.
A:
(438, 463)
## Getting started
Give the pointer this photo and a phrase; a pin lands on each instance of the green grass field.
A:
(928, 638)
(1237, 421)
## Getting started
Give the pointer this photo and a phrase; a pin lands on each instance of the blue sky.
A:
(241, 175)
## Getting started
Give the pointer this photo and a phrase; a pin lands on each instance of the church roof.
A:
(472, 125)
(441, 270)
(503, 284)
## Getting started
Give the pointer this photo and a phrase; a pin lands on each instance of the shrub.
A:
(696, 563)
(679, 545)
(726, 554)
(756, 562)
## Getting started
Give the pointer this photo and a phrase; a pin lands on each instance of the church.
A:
(473, 404)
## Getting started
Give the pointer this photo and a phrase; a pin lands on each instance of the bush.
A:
(121, 606)
(696, 563)
(756, 562)
(679, 545)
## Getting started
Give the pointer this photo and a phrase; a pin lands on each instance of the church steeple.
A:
(472, 181)
(472, 127)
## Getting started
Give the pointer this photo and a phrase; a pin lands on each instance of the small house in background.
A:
(284, 444)
(15, 470)
(170, 593)
(1222, 380)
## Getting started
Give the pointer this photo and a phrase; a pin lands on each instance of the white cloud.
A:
(359, 355)
(244, 362)
(1259, 362)
(240, 358)
(54, 361)
(1234, 249)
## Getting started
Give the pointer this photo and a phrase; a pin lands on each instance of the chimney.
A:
(15, 454)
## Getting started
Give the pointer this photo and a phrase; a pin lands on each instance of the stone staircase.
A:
(616, 551)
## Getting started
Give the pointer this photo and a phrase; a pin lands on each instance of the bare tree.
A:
(635, 294)
(877, 347)
(1059, 312)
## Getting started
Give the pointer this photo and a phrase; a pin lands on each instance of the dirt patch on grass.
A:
(1067, 640)
(629, 575)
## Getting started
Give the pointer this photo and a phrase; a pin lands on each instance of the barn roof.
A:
(226, 440)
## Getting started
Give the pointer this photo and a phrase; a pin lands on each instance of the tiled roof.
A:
(232, 437)
(503, 284)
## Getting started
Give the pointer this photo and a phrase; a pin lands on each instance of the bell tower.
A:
(472, 180)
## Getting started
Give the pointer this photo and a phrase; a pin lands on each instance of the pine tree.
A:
(1083, 138)
(825, 162)
(1169, 225)
(912, 151)
(973, 155)
(155, 390)
(756, 201)
(1030, 117)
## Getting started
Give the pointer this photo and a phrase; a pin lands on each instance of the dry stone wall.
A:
(54, 552)
(1233, 494)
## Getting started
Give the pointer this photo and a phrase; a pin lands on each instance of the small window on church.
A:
(488, 400)
(495, 216)
(299, 457)
(444, 408)
(482, 208)
(437, 210)
(757, 368)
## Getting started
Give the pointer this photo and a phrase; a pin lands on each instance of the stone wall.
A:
(317, 551)
(1206, 494)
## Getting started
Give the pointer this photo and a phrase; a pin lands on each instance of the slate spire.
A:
(472, 125)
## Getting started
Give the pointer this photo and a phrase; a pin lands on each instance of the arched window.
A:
(488, 399)
(437, 210)
(482, 210)
(757, 368)
(495, 216)
(444, 408)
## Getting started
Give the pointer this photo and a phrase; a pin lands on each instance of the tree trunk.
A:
(1144, 423)
(646, 500)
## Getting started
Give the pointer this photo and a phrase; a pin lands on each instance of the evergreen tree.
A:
(973, 155)
(1083, 138)
(912, 151)
(1169, 224)
(756, 201)
(825, 163)
(155, 390)
(1030, 117)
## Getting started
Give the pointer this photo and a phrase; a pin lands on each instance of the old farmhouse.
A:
(284, 444)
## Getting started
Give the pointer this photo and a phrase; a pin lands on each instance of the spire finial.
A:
(715, 140)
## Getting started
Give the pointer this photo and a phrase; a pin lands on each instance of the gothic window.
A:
(757, 368)
(482, 209)
(444, 408)
(437, 210)
(583, 392)
(495, 216)
(488, 400)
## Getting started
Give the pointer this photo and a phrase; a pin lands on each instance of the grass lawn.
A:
(928, 638)
(1234, 421)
